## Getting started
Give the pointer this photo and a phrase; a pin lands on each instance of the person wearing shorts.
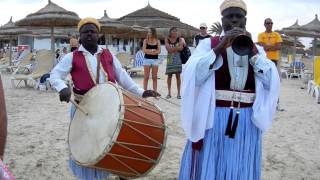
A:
(151, 49)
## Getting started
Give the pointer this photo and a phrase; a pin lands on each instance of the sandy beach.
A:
(38, 122)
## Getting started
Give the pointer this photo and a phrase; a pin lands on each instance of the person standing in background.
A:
(74, 43)
(271, 43)
(57, 59)
(174, 45)
(151, 50)
(63, 53)
(202, 35)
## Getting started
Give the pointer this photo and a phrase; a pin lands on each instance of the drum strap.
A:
(98, 68)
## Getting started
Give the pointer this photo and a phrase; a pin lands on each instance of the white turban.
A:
(233, 3)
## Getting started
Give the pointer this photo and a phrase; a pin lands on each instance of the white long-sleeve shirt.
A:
(63, 68)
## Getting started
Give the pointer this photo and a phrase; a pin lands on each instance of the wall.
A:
(42, 43)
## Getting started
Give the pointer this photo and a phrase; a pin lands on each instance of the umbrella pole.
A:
(106, 40)
(52, 40)
(109, 39)
(10, 51)
(314, 47)
(294, 48)
(134, 44)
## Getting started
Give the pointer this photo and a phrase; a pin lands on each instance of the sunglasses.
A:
(269, 23)
(202, 28)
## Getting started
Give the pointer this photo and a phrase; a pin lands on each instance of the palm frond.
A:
(216, 28)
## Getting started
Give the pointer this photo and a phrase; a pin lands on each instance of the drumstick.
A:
(168, 101)
(79, 107)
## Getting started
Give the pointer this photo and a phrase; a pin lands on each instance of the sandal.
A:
(168, 96)
(178, 97)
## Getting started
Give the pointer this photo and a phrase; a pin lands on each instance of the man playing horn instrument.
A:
(228, 100)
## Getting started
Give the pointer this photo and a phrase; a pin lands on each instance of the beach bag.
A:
(185, 54)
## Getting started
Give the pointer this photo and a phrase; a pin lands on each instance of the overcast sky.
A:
(283, 12)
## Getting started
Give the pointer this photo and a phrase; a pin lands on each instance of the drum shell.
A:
(137, 143)
(132, 117)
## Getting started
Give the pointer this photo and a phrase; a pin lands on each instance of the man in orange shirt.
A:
(271, 41)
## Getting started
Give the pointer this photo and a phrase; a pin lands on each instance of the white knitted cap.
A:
(233, 3)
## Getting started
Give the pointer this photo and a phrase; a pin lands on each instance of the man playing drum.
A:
(90, 65)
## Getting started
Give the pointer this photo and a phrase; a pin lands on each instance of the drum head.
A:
(90, 137)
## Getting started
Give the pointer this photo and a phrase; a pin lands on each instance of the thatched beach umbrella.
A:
(138, 32)
(311, 29)
(162, 21)
(296, 31)
(45, 32)
(3, 37)
(111, 26)
(11, 30)
(313, 26)
(289, 41)
(51, 16)
(293, 31)
(135, 32)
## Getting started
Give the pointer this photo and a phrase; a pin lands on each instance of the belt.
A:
(235, 96)
(234, 100)
(224, 98)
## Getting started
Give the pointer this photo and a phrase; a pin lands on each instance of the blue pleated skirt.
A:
(224, 158)
(85, 173)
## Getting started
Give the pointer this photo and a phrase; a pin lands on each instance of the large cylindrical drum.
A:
(122, 133)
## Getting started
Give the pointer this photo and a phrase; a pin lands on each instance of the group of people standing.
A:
(151, 48)
(174, 44)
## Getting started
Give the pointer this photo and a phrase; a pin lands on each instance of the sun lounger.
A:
(44, 64)
(137, 64)
(296, 69)
(23, 65)
(125, 60)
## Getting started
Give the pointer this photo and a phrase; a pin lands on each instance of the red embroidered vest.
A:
(223, 79)
(82, 81)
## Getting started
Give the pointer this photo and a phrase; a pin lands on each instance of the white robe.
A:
(198, 91)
